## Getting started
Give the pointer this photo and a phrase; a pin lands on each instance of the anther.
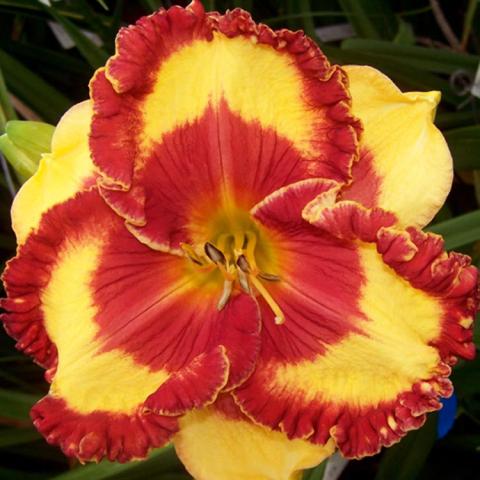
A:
(243, 264)
(269, 277)
(214, 254)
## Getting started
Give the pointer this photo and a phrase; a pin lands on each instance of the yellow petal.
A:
(84, 376)
(61, 173)
(218, 443)
(410, 157)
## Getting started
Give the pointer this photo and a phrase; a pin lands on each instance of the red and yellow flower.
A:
(223, 249)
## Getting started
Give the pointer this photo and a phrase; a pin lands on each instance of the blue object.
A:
(446, 416)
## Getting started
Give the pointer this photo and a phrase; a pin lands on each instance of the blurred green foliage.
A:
(40, 79)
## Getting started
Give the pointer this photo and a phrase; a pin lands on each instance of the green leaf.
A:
(445, 120)
(316, 473)
(476, 332)
(16, 405)
(48, 102)
(464, 144)
(405, 460)
(468, 20)
(466, 377)
(308, 23)
(17, 436)
(46, 57)
(433, 60)
(405, 34)
(301, 16)
(245, 4)
(94, 21)
(6, 109)
(152, 5)
(103, 4)
(209, 5)
(34, 9)
(94, 55)
(161, 460)
(11, 474)
(361, 14)
(116, 21)
(398, 70)
(459, 231)
(463, 442)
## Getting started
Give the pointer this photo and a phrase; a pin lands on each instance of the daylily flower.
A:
(224, 250)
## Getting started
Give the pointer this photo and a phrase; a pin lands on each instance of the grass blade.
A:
(15, 406)
(94, 55)
(160, 460)
(45, 100)
(434, 60)
(399, 70)
(6, 110)
(308, 23)
(45, 57)
(152, 5)
(468, 21)
(17, 436)
(464, 144)
(445, 120)
(316, 473)
(359, 18)
(459, 231)
(405, 460)
(245, 4)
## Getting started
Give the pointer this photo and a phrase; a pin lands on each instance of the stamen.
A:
(269, 277)
(279, 316)
(214, 254)
(234, 255)
(251, 243)
(227, 291)
(219, 259)
(191, 254)
(243, 281)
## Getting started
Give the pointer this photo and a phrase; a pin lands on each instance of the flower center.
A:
(235, 255)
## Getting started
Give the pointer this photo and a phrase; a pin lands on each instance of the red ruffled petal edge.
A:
(130, 71)
(420, 259)
(208, 374)
(97, 435)
(24, 318)
(358, 431)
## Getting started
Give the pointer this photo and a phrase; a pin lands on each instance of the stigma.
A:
(234, 256)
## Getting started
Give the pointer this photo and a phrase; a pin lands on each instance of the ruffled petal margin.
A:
(220, 443)
(100, 434)
(84, 295)
(268, 110)
(405, 165)
(406, 313)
